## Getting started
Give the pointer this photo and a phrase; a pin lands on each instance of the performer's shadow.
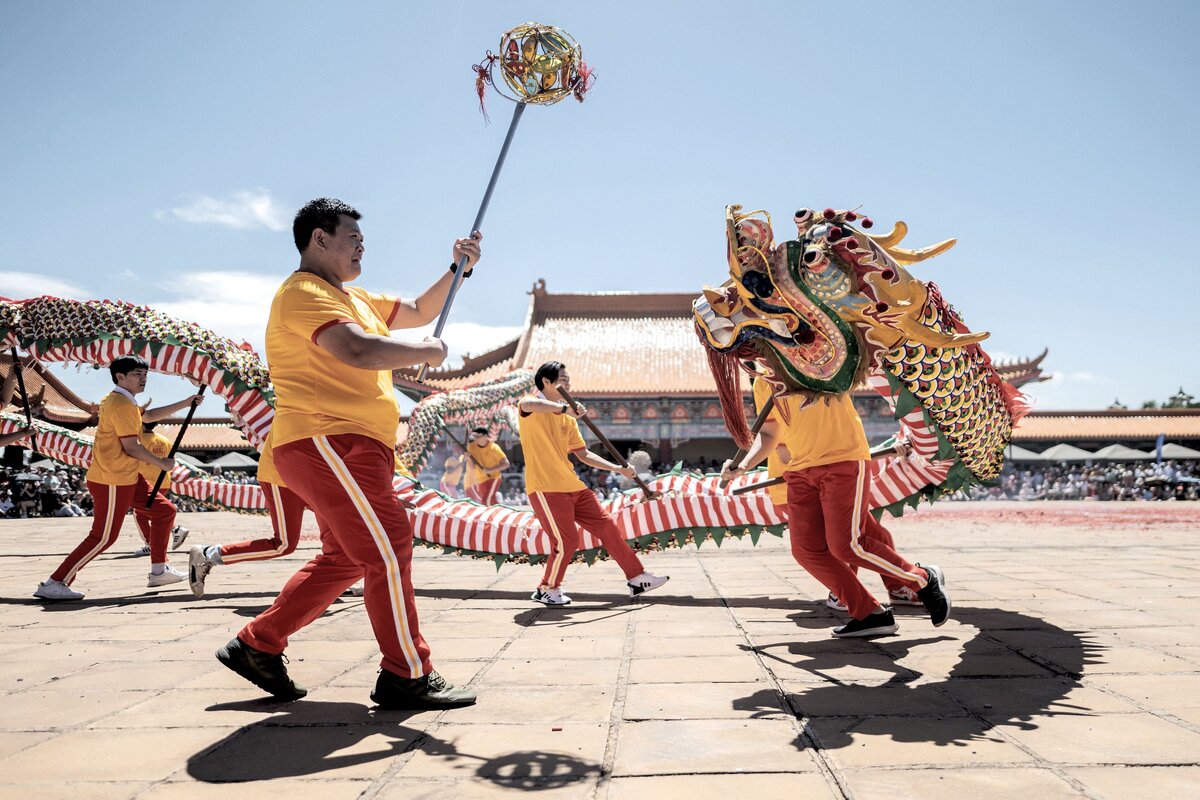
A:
(1015, 670)
(312, 737)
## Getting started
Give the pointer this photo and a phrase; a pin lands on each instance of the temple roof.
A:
(618, 343)
(1112, 425)
(50, 398)
(205, 433)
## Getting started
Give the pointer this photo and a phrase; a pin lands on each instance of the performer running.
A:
(549, 434)
(452, 474)
(113, 476)
(827, 490)
(485, 462)
(333, 440)
(286, 510)
(162, 511)
(778, 459)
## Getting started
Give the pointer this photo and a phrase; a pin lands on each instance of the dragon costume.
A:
(835, 309)
(57, 330)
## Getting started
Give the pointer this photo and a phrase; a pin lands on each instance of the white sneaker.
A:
(834, 602)
(198, 568)
(550, 597)
(166, 577)
(354, 591)
(904, 597)
(645, 582)
(56, 590)
(178, 536)
(144, 550)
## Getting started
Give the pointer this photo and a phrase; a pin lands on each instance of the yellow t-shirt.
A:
(120, 418)
(488, 457)
(160, 446)
(775, 465)
(453, 470)
(547, 441)
(315, 393)
(266, 466)
(821, 432)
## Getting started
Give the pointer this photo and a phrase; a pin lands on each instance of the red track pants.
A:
(287, 512)
(872, 529)
(154, 523)
(559, 513)
(827, 508)
(346, 479)
(484, 493)
(110, 505)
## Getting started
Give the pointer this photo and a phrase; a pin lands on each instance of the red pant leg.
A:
(484, 492)
(556, 512)
(346, 479)
(810, 548)
(287, 513)
(110, 505)
(873, 529)
(593, 519)
(159, 519)
(844, 489)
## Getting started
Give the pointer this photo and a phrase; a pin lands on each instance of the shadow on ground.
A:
(308, 738)
(1015, 670)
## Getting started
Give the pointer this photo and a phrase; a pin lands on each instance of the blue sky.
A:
(155, 152)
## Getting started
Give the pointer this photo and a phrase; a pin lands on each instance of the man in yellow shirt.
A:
(549, 435)
(828, 478)
(112, 477)
(333, 438)
(452, 474)
(485, 462)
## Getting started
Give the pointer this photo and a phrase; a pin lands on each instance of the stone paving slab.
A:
(1071, 668)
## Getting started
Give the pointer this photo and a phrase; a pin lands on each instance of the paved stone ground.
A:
(1071, 668)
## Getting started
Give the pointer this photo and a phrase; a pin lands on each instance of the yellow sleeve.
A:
(160, 445)
(126, 420)
(494, 455)
(307, 309)
(574, 437)
(385, 305)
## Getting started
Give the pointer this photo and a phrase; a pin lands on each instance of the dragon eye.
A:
(758, 282)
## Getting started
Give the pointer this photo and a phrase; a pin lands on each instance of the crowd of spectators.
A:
(1108, 480)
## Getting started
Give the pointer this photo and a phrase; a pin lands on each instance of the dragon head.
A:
(816, 313)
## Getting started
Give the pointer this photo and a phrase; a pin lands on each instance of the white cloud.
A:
(466, 338)
(231, 304)
(1072, 390)
(244, 210)
(25, 285)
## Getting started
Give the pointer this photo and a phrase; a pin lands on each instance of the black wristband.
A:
(454, 269)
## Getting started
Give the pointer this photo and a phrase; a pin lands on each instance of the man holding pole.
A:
(113, 476)
(549, 434)
(333, 440)
(485, 462)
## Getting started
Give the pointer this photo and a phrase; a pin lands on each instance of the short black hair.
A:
(321, 213)
(480, 431)
(149, 427)
(548, 373)
(125, 365)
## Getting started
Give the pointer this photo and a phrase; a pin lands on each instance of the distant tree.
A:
(1150, 404)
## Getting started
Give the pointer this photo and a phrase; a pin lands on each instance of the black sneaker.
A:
(428, 692)
(934, 596)
(264, 670)
(881, 623)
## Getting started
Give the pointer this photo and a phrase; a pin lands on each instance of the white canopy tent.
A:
(1119, 452)
(234, 461)
(1172, 450)
(1016, 453)
(1066, 452)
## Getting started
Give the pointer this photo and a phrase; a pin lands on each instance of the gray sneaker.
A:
(198, 568)
(56, 590)
(178, 536)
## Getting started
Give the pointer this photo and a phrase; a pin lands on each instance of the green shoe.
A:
(429, 692)
(264, 670)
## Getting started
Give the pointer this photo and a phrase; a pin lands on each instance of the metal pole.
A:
(24, 398)
(483, 206)
(763, 413)
(612, 450)
(162, 474)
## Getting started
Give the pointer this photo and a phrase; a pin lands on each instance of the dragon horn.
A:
(892, 237)
(905, 256)
(933, 338)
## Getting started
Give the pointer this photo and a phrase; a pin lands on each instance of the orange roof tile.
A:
(49, 396)
(1044, 426)
(207, 434)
